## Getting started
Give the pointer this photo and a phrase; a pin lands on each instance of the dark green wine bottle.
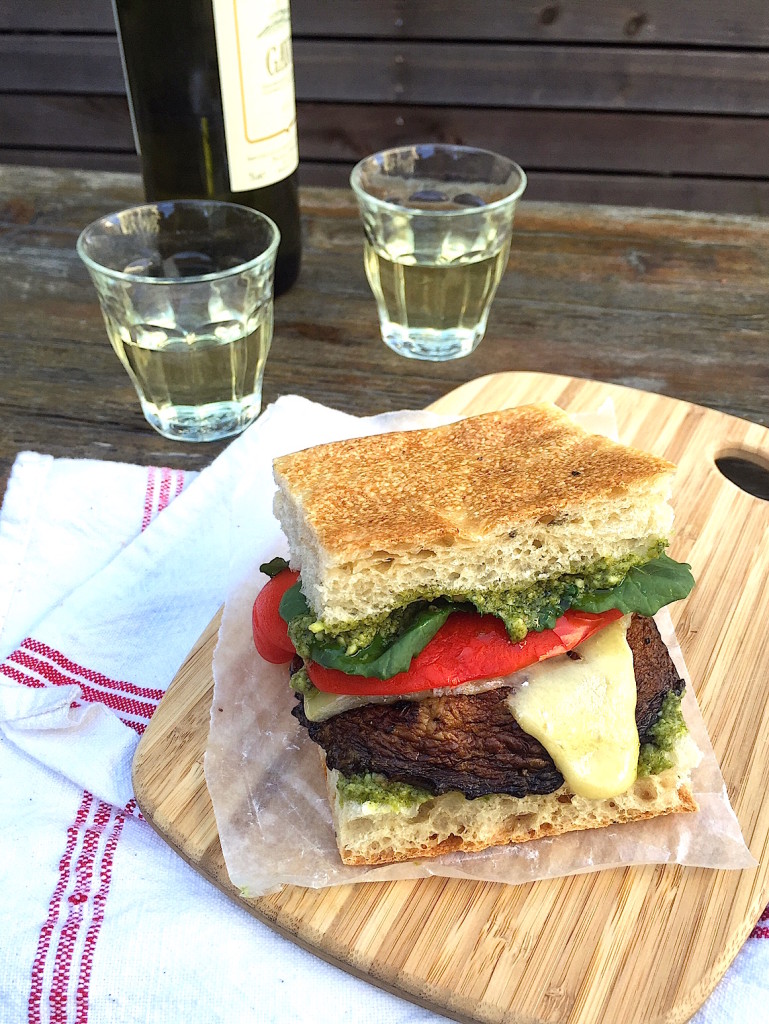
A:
(211, 89)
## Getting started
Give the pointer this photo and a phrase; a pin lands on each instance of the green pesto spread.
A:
(305, 630)
(654, 756)
(533, 607)
(301, 683)
(371, 788)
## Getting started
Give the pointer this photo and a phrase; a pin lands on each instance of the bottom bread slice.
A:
(374, 834)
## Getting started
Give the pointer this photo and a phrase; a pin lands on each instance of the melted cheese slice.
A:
(583, 713)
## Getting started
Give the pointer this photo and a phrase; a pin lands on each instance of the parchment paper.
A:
(264, 774)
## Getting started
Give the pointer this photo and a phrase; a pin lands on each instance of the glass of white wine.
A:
(437, 223)
(186, 291)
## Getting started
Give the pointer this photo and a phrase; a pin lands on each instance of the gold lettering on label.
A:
(278, 57)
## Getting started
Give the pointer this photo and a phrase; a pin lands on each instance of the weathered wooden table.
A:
(668, 302)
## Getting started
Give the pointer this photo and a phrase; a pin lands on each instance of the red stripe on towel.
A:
(80, 904)
(89, 674)
(19, 677)
(116, 701)
(55, 967)
(97, 915)
(149, 497)
(164, 492)
(165, 489)
(761, 931)
(88, 882)
(35, 1000)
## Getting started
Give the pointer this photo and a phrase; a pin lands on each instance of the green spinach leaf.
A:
(645, 589)
(293, 603)
(274, 566)
(383, 659)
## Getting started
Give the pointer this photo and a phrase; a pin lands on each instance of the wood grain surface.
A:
(621, 78)
(669, 302)
(707, 23)
(637, 945)
(533, 75)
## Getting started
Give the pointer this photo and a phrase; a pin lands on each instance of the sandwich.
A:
(467, 617)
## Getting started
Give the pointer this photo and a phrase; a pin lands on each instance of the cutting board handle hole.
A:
(747, 470)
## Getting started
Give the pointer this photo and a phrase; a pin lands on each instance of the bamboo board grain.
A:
(635, 945)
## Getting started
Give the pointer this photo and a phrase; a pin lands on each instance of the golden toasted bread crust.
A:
(457, 482)
(685, 803)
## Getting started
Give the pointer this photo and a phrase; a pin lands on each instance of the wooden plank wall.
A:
(654, 104)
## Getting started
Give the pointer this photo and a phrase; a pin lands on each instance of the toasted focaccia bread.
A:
(491, 502)
(452, 824)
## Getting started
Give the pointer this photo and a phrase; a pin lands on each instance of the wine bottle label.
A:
(256, 71)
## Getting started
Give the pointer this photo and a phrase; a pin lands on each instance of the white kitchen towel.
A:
(108, 575)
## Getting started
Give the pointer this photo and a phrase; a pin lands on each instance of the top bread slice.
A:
(494, 501)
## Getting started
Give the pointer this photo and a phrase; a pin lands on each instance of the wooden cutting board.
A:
(633, 945)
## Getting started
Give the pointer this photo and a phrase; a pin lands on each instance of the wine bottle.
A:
(211, 90)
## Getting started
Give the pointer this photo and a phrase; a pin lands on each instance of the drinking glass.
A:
(186, 291)
(437, 221)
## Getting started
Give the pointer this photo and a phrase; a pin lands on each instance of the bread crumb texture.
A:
(488, 502)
